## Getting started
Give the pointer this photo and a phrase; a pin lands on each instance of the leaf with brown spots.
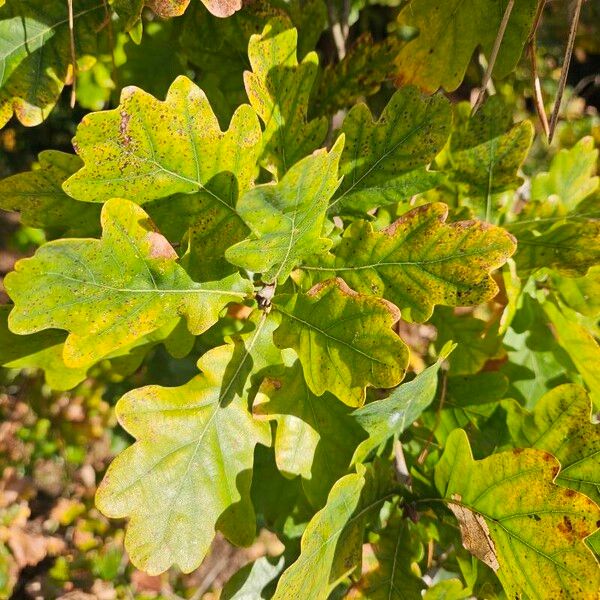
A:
(344, 340)
(561, 424)
(173, 156)
(420, 260)
(515, 518)
(111, 292)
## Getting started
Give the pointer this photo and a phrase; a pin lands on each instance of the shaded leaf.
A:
(174, 153)
(107, 293)
(343, 340)
(514, 518)
(486, 151)
(570, 248)
(359, 74)
(536, 363)
(449, 33)
(278, 88)
(39, 197)
(382, 419)
(250, 581)
(420, 260)
(41, 350)
(477, 340)
(561, 424)
(470, 400)
(191, 463)
(389, 575)
(35, 51)
(385, 161)
(315, 437)
(287, 219)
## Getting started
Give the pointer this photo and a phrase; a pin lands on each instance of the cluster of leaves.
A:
(290, 259)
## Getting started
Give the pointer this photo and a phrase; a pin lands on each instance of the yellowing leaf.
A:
(189, 471)
(385, 161)
(315, 436)
(449, 33)
(39, 197)
(279, 88)
(35, 51)
(514, 518)
(175, 154)
(420, 261)
(561, 424)
(344, 340)
(287, 219)
(107, 293)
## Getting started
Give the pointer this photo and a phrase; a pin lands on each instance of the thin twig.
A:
(438, 417)
(337, 30)
(73, 56)
(565, 68)
(538, 98)
(401, 466)
(493, 56)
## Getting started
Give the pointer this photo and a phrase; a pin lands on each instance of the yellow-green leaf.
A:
(561, 424)
(331, 545)
(344, 340)
(278, 88)
(385, 161)
(190, 471)
(287, 219)
(569, 180)
(513, 516)
(420, 260)
(580, 345)
(382, 419)
(109, 292)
